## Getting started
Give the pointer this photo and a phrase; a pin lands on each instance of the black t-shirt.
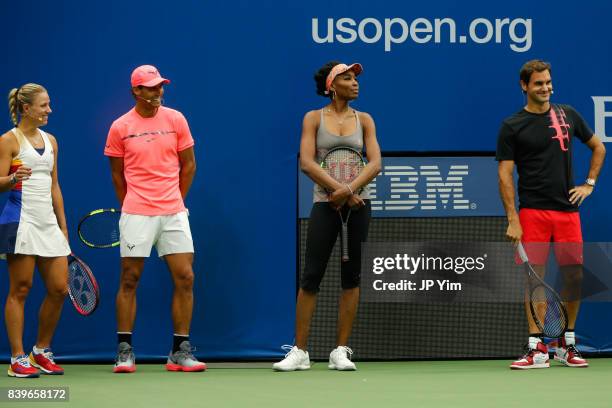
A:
(541, 147)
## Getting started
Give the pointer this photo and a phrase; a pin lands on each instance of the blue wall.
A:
(242, 74)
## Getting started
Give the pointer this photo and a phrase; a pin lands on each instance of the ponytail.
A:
(19, 97)
(12, 103)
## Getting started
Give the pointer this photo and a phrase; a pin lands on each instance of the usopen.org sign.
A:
(428, 187)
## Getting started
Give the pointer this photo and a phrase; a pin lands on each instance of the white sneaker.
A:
(295, 359)
(339, 359)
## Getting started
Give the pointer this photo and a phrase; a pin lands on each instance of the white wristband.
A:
(350, 189)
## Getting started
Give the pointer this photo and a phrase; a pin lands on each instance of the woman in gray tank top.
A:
(335, 125)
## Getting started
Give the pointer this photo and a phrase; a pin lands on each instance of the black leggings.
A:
(323, 229)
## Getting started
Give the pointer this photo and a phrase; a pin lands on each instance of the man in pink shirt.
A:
(152, 164)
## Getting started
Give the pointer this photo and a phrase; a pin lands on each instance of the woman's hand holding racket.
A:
(355, 201)
(339, 197)
(344, 165)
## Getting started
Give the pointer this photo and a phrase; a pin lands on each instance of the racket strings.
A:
(550, 312)
(344, 165)
(101, 229)
(555, 320)
(82, 289)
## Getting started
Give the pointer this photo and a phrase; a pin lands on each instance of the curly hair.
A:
(320, 77)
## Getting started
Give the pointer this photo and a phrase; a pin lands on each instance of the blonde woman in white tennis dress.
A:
(33, 230)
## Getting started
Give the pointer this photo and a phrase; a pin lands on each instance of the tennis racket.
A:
(82, 286)
(552, 321)
(343, 164)
(100, 228)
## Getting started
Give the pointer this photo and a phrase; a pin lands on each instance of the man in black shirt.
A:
(539, 141)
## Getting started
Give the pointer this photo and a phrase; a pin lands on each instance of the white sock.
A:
(533, 342)
(14, 359)
(37, 350)
(570, 338)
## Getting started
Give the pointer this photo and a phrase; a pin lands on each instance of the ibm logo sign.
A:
(427, 186)
(422, 187)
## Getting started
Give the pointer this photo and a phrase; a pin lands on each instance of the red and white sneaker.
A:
(20, 368)
(534, 358)
(569, 355)
(45, 363)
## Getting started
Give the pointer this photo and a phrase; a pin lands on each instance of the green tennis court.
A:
(376, 384)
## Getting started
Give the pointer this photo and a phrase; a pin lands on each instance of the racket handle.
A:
(345, 256)
(521, 252)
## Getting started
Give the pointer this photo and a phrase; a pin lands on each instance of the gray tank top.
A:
(327, 141)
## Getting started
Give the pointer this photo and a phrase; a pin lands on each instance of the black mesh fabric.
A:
(412, 330)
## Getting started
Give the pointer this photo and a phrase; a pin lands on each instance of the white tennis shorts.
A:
(169, 233)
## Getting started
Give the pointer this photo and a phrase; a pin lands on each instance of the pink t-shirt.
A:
(149, 147)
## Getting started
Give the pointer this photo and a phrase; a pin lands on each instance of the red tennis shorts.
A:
(541, 227)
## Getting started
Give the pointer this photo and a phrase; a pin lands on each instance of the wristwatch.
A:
(590, 182)
(13, 179)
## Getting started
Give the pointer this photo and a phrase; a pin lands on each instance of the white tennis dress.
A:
(28, 224)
